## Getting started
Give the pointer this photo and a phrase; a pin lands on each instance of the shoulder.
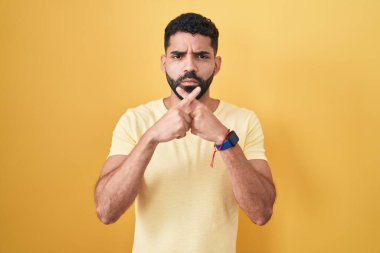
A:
(136, 120)
(231, 110)
(146, 111)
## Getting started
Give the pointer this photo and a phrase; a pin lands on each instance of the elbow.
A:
(105, 217)
(265, 214)
(104, 210)
(263, 217)
(105, 220)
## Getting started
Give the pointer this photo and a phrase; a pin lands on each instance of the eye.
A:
(203, 56)
(176, 56)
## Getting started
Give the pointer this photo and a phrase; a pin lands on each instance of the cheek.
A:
(173, 70)
(206, 70)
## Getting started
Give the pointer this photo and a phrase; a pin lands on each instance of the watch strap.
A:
(228, 143)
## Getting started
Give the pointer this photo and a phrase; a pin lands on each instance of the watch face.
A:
(233, 138)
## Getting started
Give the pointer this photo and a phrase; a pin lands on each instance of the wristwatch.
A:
(231, 141)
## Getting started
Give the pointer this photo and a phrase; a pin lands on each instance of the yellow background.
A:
(310, 70)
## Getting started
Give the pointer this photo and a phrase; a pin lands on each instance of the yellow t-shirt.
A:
(183, 204)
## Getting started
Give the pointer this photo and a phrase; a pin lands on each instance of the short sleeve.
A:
(123, 140)
(254, 143)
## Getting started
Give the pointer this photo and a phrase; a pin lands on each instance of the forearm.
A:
(117, 190)
(254, 192)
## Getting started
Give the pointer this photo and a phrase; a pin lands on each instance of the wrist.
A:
(221, 136)
(151, 138)
(219, 146)
(230, 141)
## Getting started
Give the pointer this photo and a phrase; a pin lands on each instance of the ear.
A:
(218, 63)
(163, 62)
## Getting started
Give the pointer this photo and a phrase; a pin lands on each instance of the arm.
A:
(118, 184)
(121, 176)
(252, 184)
(251, 180)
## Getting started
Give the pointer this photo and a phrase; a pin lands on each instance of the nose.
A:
(190, 64)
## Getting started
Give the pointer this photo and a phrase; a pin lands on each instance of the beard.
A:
(203, 84)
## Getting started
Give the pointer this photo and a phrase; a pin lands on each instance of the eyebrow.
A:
(176, 52)
(202, 53)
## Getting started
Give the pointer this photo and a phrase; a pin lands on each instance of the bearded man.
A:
(163, 156)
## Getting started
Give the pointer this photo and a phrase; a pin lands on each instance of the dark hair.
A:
(195, 24)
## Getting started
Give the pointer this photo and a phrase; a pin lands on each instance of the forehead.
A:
(182, 41)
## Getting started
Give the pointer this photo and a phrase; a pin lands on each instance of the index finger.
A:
(188, 98)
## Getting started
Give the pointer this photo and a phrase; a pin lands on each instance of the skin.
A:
(121, 175)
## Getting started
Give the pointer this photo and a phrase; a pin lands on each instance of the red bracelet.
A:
(213, 155)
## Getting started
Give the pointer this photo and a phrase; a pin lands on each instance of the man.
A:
(162, 155)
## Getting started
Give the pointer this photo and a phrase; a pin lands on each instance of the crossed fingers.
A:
(188, 99)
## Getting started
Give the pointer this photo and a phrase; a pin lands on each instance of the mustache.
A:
(190, 75)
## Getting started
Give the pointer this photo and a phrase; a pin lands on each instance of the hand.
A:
(204, 123)
(176, 121)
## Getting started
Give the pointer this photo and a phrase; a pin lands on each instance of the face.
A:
(190, 62)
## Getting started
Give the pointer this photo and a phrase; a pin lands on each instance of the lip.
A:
(190, 81)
